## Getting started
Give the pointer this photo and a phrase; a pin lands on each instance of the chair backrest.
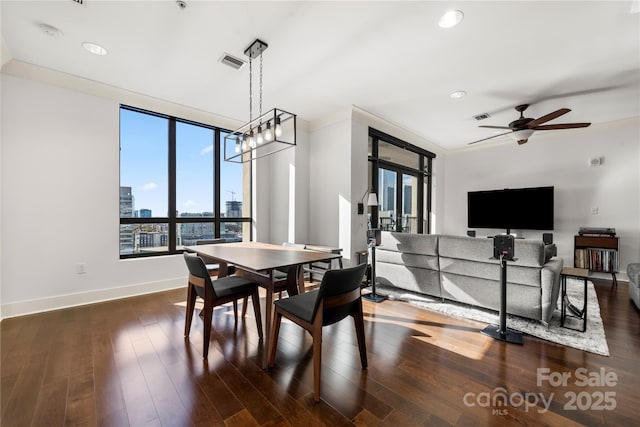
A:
(294, 245)
(198, 274)
(339, 290)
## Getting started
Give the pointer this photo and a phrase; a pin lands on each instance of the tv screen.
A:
(519, 208)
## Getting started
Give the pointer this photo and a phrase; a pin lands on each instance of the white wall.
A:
(282, 193)
(330, 183)
(60, 198)
(339, 176)
(559, 159)
(60, 201)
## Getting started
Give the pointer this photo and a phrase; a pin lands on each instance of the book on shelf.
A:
(597, 259)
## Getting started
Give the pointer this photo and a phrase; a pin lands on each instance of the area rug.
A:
(593, 340)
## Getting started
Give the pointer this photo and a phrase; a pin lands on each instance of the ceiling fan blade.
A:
(562, 126)
(547, 117)
(494, 127)
(491, 137)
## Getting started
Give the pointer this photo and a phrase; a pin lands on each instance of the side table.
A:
(577, 273)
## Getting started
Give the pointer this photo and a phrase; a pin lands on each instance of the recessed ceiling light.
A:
(50, 30)
(457, 94)
(451, 19)
(96, 49)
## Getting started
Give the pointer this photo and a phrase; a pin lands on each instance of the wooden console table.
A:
(597, 253)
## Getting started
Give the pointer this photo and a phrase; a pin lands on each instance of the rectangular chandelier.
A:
(269, 133)
(273, 131)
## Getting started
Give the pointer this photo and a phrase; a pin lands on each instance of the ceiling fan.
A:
(522, 128)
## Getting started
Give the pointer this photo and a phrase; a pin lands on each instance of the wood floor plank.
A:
(127, 363)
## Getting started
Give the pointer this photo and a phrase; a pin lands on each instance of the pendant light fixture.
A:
(268, 133)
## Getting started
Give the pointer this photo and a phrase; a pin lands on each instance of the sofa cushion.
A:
(408, 259)
(490, 269)
(425, 244)
(521, 300)
(529, 253)
(413, 279)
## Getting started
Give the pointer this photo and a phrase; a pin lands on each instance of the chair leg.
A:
(255, 298)
(275, 332)
(317, 359)
(208, 315)
(191, 302)
(358, 319)
(235, 311)
(245, 302)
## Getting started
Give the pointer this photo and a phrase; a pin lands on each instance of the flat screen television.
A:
(511, 208)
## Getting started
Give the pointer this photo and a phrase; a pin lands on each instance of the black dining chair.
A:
(281, 279)
(214, 268)
(337, 297)
(215, 293)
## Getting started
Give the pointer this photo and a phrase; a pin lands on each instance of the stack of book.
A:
(605, 260)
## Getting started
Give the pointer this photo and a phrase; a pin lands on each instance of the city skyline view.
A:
(144, 165)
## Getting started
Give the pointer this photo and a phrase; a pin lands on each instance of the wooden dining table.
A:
(259, 261)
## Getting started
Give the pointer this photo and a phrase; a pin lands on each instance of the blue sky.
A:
(144, 165)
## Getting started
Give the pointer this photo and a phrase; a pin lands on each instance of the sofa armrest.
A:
(633, 271)
(550, 287)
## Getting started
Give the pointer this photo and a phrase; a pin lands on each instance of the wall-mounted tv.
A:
(515, 208)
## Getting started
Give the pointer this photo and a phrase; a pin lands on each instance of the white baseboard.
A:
(72, 300)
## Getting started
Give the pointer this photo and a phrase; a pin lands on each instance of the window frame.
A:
(172, 220)
(423, 174)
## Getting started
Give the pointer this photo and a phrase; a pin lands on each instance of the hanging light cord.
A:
(250, 91)
(261, 84)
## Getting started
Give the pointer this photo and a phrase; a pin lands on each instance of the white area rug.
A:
(593, 340)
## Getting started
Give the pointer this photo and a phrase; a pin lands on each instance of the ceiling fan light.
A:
(450, 19)
(521, 135)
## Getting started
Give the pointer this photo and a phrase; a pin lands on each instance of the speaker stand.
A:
(372, 296)
(501, 332)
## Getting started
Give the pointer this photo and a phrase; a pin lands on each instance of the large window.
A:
(400, 173)
(175, 187)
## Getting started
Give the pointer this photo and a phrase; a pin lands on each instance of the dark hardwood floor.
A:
(126, 362)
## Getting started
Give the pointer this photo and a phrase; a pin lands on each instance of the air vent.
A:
(482, 116)
(232, 61)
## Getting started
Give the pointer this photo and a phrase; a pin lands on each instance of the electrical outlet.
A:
(594, 211)
(81, 267)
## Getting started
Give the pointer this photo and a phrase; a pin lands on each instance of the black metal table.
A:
(578, 273)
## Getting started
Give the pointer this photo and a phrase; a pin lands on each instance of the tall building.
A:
(234, 209)
(127, 238)
(145, 213)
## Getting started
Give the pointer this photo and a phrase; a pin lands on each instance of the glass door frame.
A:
(422, 174)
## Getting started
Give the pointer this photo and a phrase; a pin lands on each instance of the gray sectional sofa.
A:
(459, 268)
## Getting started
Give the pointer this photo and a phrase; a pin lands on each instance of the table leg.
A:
(301, 288)
(268, 320)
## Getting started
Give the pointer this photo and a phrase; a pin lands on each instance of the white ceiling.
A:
(386, 57)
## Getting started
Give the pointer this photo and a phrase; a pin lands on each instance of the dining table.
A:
(259, 262)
